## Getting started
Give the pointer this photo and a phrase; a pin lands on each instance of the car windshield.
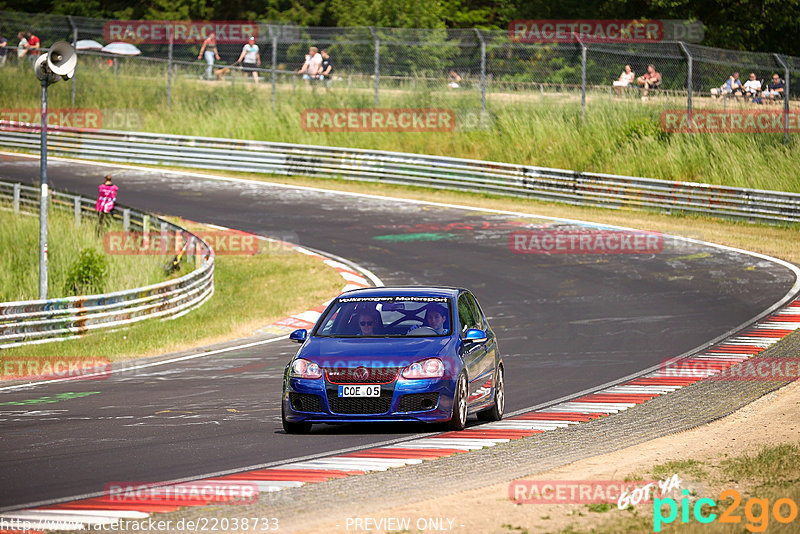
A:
(393, 316)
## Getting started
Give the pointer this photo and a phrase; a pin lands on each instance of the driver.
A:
(435, 318)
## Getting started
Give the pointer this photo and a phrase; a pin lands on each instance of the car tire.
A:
(294, 428)
(459, 417)
(495, 413)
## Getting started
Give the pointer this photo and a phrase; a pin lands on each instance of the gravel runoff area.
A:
(330, 503)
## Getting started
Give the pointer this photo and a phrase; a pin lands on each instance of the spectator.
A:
(649, 80)
(33, 47)
(733, 86)
(22, 47)
(326, 69)
(737, 89)
(3, 49)
(625, 79)
(209, 49)
(752, 88)
(250, 58)
(776, 88)
(106, 198)
(311, 68)
(455, 80)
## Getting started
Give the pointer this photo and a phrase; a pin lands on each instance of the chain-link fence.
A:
(465, 68)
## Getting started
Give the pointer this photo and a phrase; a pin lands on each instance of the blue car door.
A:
(472, 354)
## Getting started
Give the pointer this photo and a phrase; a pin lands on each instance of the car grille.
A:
(362, 375)
(306, 402)
(359, 405)
(418, 402)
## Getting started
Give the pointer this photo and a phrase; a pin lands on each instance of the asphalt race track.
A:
(565, 322)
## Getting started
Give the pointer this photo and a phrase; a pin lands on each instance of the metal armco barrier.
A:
(42, 321)
(586, 189)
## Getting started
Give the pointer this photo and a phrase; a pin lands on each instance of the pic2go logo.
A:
(784, 511)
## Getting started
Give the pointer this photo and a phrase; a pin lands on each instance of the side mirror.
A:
(299, 336)
(475, 335)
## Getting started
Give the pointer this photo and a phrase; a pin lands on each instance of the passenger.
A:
(369, 323)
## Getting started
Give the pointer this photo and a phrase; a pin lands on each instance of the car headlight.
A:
(430, 368)
(304, 369)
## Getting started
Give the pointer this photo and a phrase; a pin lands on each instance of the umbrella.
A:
(121, 49)
(87, 44)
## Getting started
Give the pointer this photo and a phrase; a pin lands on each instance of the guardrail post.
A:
(688, 85)
(17, 190)
(77, 209)
(783, 64)
(483, 70)
(377, 62)
(126, 219)
(145, 224)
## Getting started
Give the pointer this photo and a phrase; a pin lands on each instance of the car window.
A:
(476, 312)
(465, 314)
(390, 316)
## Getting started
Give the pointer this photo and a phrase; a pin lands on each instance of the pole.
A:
(169, 67)
(274, 65)
(43, 202)
(483, 71)
(688, 85)
(74, 45)
(583, 78)
(783, 64)
(377, 62)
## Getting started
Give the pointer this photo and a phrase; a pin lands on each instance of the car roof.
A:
(405, 291)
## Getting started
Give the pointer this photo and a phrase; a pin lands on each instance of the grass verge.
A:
(617, 136)
(68, 274)
(250, 292)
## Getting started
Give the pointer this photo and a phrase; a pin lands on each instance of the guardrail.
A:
(579, 188)
(42, 321)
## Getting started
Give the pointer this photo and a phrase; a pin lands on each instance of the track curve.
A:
(565, 323)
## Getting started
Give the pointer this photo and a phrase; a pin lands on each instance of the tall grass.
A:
(19, 257)
(621, 136)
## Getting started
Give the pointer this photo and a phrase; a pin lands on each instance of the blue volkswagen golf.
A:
(395, 354)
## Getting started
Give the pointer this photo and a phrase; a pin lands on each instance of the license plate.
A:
(359, 391)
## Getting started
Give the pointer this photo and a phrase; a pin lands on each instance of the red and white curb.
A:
(614, 399)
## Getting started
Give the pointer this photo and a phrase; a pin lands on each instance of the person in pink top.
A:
(105, 200)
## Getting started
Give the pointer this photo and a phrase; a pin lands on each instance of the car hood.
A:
(375, 352)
